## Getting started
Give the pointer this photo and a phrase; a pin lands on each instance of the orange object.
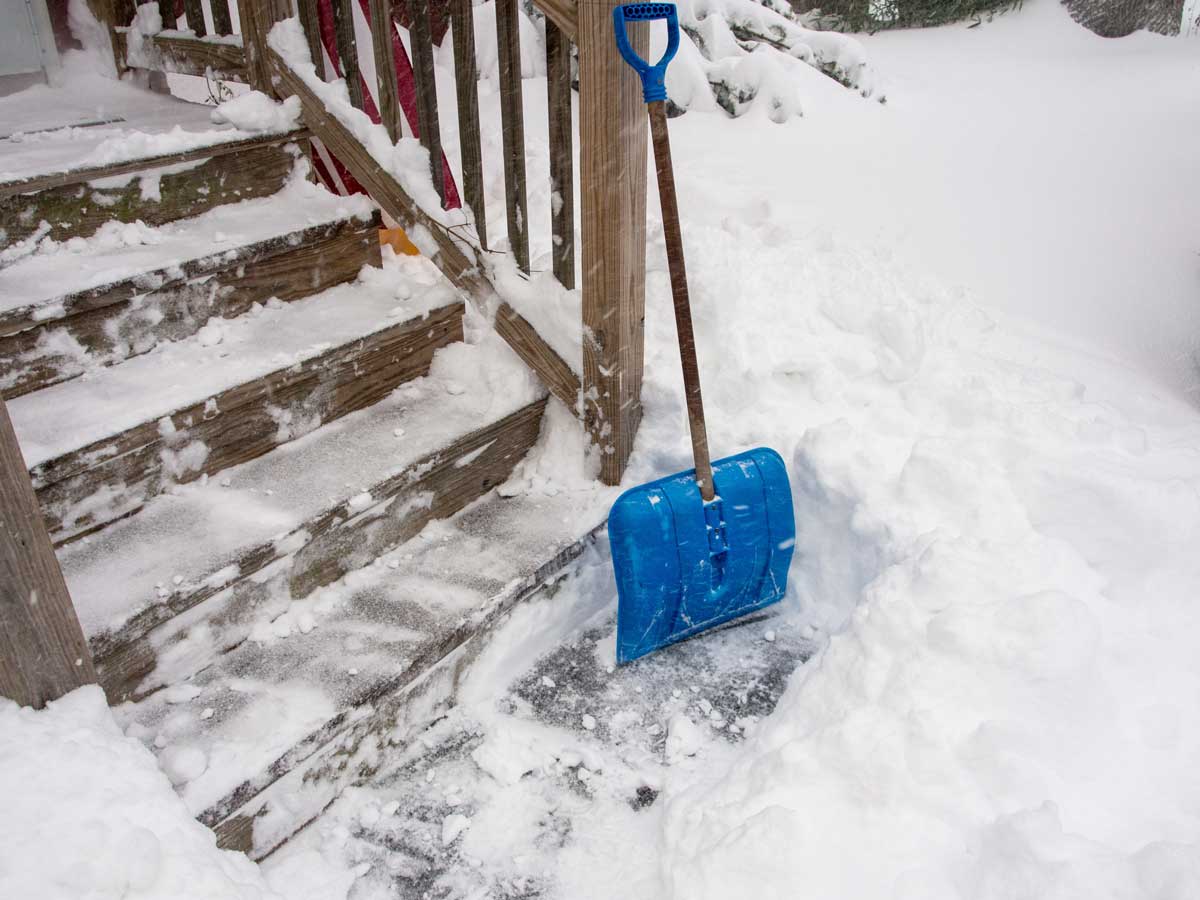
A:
(398, 241)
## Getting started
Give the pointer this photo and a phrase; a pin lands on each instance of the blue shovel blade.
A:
(683, 565)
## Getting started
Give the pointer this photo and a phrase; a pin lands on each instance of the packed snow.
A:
(88, 813)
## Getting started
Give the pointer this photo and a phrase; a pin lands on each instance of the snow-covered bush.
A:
(748, 51)
(875, 15)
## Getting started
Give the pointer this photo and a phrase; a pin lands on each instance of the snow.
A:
(87, 813)
(966, 319)
(255, 111)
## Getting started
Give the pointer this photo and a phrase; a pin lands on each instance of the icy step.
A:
(100, 446)
(371, 655)
(216, 553)
(153, 196)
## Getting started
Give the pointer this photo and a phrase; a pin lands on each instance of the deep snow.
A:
(966, 318)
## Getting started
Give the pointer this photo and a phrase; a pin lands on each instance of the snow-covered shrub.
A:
(875, 15)
(739, 53)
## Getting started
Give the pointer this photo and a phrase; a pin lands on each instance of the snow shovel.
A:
(704, 546)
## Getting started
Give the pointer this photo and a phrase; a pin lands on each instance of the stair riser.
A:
(233, 427)
(347, 750)
(319, 552)
(79, 210)
(132, 317)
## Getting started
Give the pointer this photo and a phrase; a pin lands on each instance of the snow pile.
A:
(255, 111)
(740, 52)
(87, 813)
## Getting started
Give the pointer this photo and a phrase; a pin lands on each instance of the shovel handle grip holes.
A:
(653, 76)
(642, 11)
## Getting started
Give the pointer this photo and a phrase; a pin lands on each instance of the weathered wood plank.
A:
(562, 155)
(429, 129)
(453, 255)
(222, 21)
(331, 543)
(92, 173)
(256, 18)
(43, 653)
(311, 21)
(564, 14)
(185, 56)
(382, 30)
(194, 10)
(237, 425)
(512, 124)
(466, 78)
(102, 329)
(347, 48)
(612, 144)
(77, 210)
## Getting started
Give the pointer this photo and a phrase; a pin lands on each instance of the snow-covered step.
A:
(66, 136)
(162, 593)
(99, 447)
(154, 195)
(260, 743)
(68, 307)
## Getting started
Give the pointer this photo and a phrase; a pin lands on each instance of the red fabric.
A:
(406, 85)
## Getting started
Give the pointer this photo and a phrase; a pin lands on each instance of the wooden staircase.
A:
(265, 455)
(241, 425)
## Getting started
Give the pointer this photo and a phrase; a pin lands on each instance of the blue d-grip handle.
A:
(653, 76)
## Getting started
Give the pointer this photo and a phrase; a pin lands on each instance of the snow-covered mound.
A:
(736, 53)
(87, 813)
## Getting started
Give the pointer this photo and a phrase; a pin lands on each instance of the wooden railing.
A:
(603, 385)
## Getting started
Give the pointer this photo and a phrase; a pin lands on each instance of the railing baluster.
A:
(427, 113)
(311, 23)
(347, 47)
(562, 183)
(194, 10)
(385, 66)
(512, 116)
(222, 23)
(466, 83)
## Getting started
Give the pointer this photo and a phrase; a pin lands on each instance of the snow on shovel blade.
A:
(683, 565)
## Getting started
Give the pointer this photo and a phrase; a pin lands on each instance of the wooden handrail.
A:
(455, 262)
(564, 14)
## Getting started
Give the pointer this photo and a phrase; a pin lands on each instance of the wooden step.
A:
(163, 592)
(100, 447)
(132, 130)
(297, 242)
(154, 196)
(310, 704)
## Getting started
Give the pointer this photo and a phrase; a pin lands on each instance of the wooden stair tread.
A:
(137, 129)
(77, 414)
(112, 266)
(208, 534)
(279, 700)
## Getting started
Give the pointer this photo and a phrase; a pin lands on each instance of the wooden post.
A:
(256, 18)
(43, 653)
(612, 151)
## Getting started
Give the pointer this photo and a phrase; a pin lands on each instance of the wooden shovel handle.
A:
(679, 290)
